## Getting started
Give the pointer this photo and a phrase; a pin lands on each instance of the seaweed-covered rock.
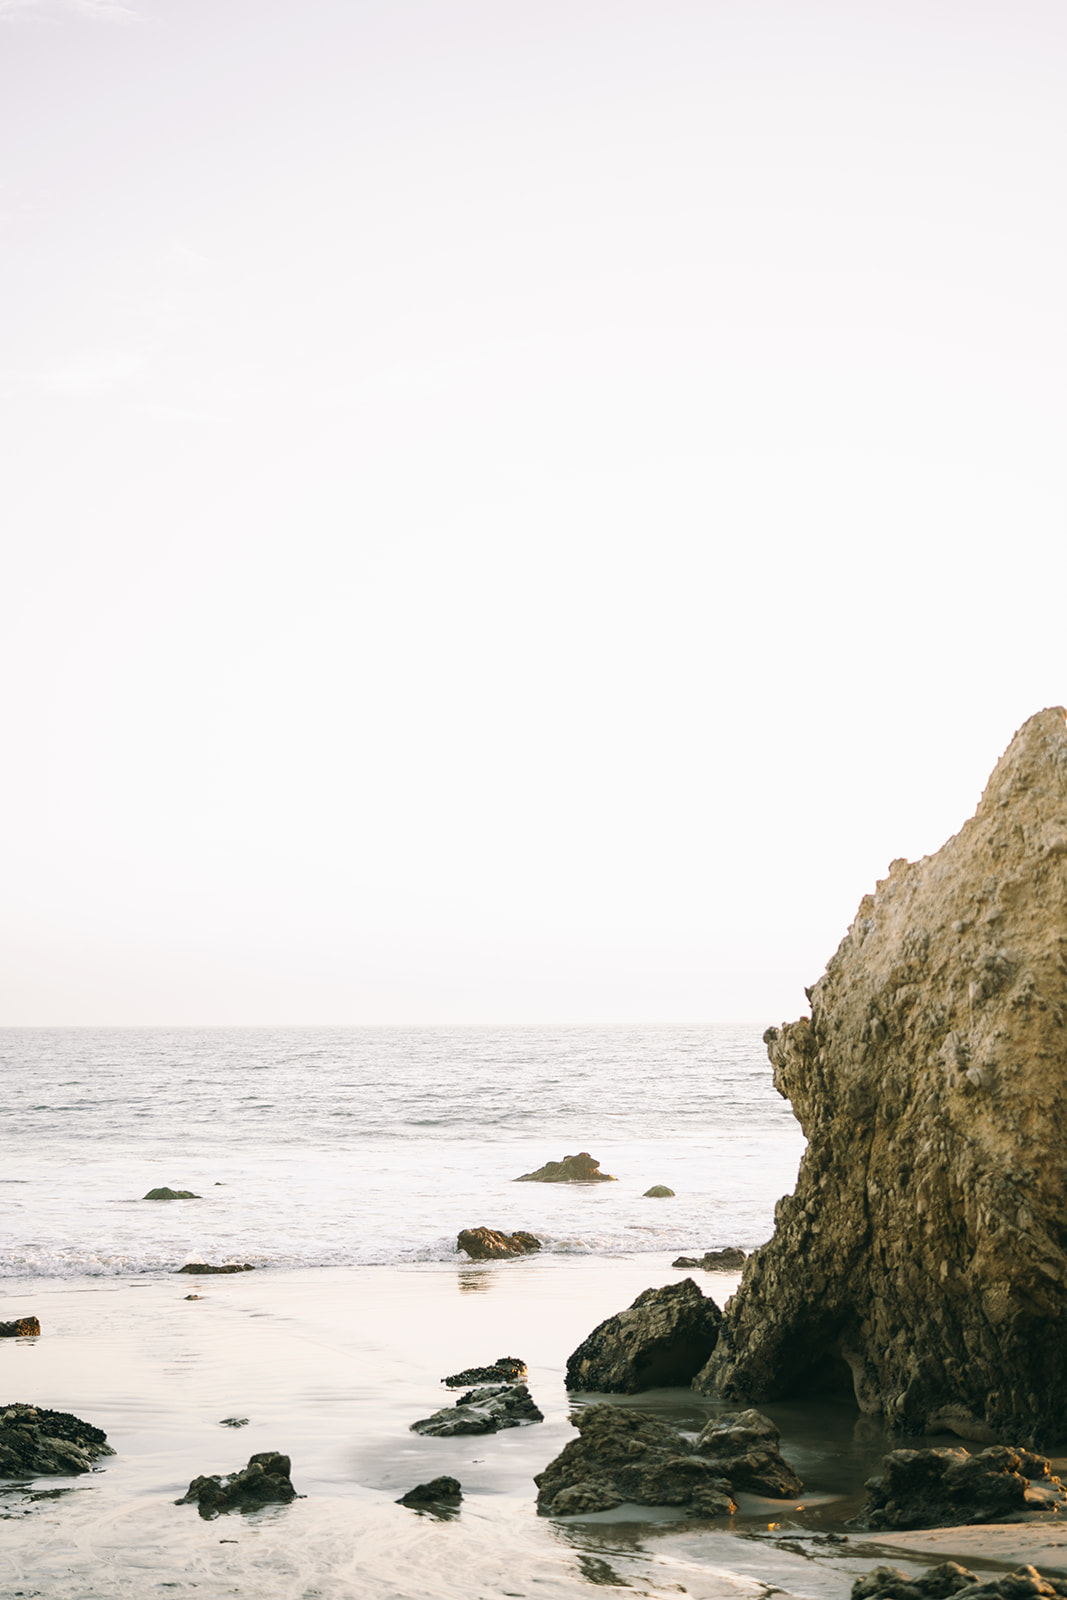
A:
(938, 1583)
(171, 1194)
(505, 1369)
(582, 1168)
(202, 1269)
(265, 1481)
(729, 1260)
(20, 1328)
(439, 1495)
(37, 1443)
(484, 1244)
(744, 1447)
(662, 1339)
(944, 1488)
(658, 1191)
(622, 1454)
(922, 1260)
(484, 1410)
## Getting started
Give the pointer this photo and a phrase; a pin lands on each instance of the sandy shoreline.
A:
(331, 1366)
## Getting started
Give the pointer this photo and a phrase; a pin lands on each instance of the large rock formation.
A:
(35, 1442)
(946, 1488)
(662, 1339)
(921, 1258)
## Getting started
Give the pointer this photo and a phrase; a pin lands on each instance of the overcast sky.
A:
(512, 510)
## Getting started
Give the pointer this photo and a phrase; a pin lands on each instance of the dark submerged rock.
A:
(658, 1191)
(440, 1495)
(728, 1260)
(484, 1244)
(938, 1583)
(505, 1369)
(265, 1481)
(20, 1328)
(201, 1267)
(484, 1410)
(945, 1488)
(582, 1168)
(36, 1443)
(171, 1194)
(921, 1264)
(627, 1455)
(662, 1339)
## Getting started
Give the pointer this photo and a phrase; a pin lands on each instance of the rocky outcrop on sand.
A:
(938, 1583)
(947, 1488)
(484, 1244)
(265, 1481)
(201, 1268)
(439, 1496)
(36, 1443)
(482, 1410)
(171, 1194)
(626, 1455)
(662, 1339)
(582, 1168)
(658, 1191)
(20, 1328)
(922, 1260)
(729, 1260)
(505, 1369)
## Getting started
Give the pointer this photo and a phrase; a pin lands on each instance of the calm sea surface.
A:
(337, 1147)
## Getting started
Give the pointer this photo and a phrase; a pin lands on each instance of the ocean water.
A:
(353, 1147)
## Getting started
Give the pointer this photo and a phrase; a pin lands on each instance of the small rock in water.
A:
(582, 1168)
(171, 1194)
(440, 1496)
(948, 1487)
(483, 1244)
(482, 1411)
(265, 1481)
(505, 1369)
(727, 1260)
(658, 1191)
(202, 1267)
(194, 1297)
(234, 1422)
(21, 1328)
(35, 1443)
(663, 1338)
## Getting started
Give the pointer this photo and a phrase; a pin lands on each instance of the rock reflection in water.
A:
(471, 1282)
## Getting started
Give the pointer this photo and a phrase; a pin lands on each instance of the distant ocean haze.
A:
(338, 1147)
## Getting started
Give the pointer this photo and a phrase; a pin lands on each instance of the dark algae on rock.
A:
(662, 1339)
(36, 1443)
(626, 1455)
(265, 1481)
(505, 1369)
(921, 1264)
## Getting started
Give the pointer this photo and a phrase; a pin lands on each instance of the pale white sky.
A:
(512, 510)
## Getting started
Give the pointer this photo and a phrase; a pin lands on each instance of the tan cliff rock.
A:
(921, 1260)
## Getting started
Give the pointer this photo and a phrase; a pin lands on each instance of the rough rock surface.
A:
(201, 1267)
(938, 1583)
(582, 1168)
(946, 1488)
(662, 1339)
(483, 1244)
(658, 1191)
(35, 1443)
(622, 1454)
(265, 1481)
(728, 1260)
(921, 1260)
(21, 1328)
(171, 1194)
(505, 1369)
(484, 1410)
(440, 1494)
